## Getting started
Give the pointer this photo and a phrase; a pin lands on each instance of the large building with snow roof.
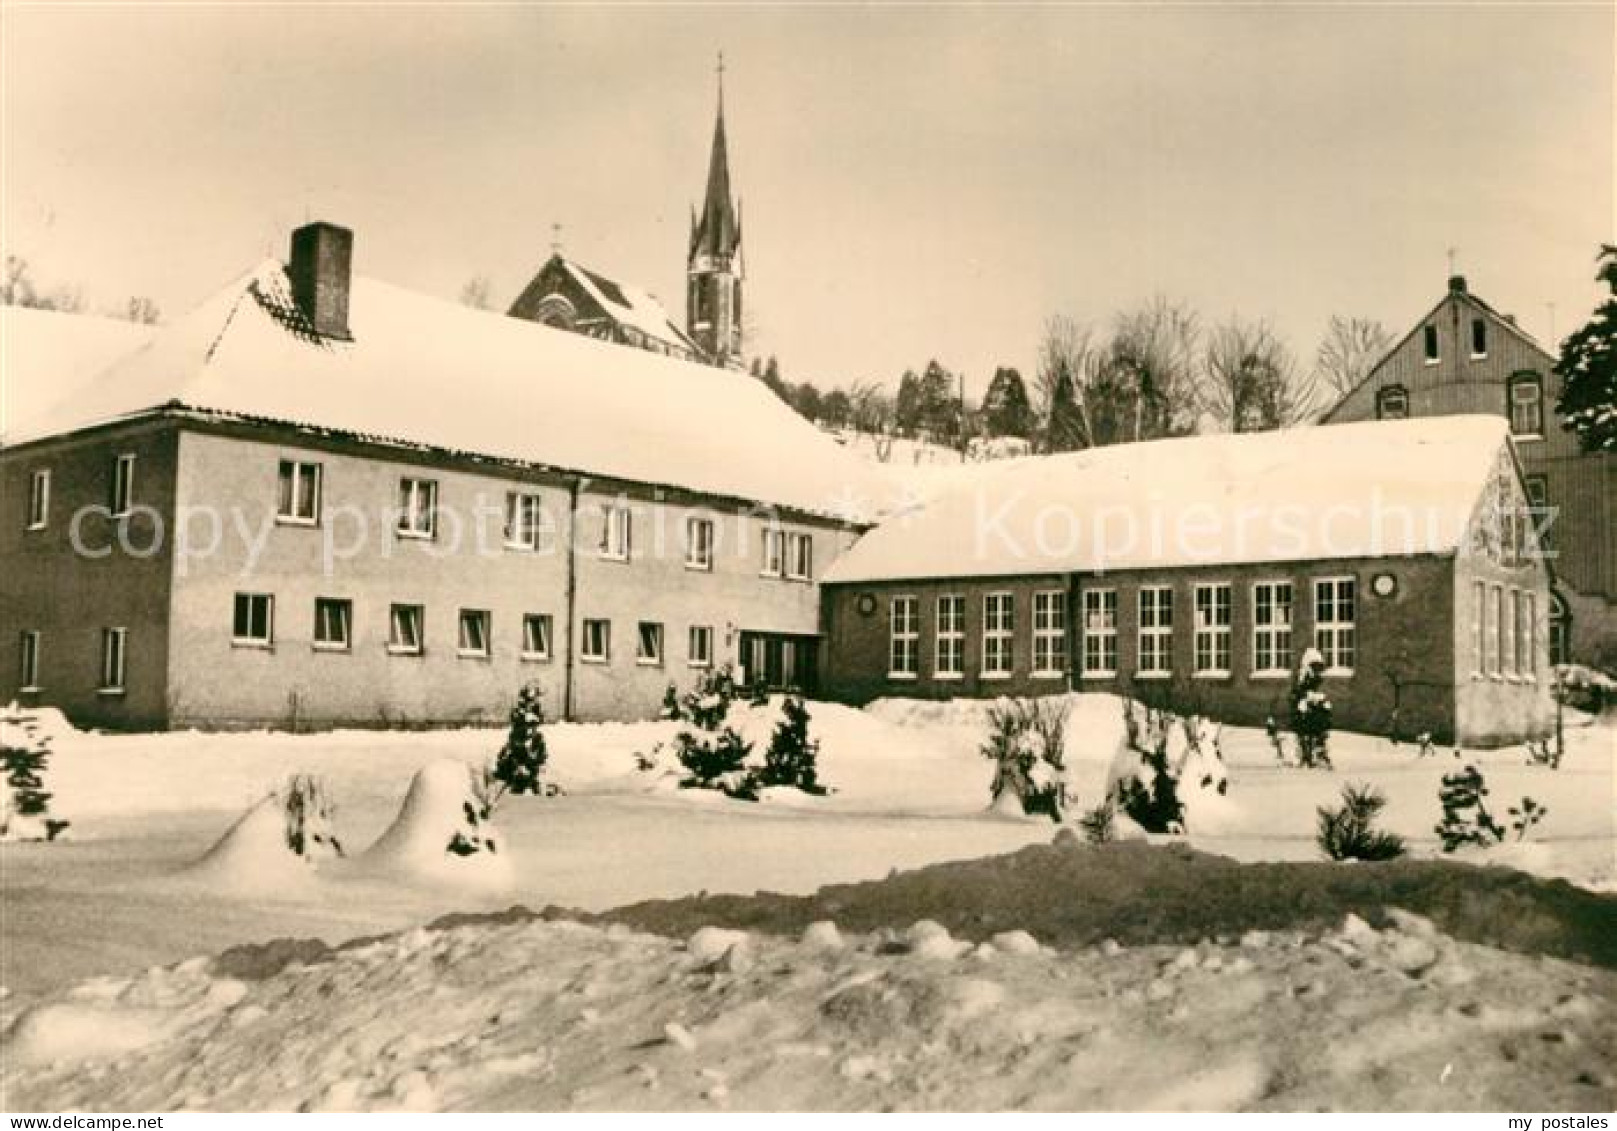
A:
(318, 499)
(1199, 572)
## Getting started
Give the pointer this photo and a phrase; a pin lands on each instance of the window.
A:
(418, 508)
(1271, 628)
(1541, 516)
(1479, 628)
(1212, 642)
(1560, 631)
(28, 662)
(1529, 634)
(698, 543)
(1050, 633)
(524, 519)
(1526, 405)
(1430, 336)
(799, 557)
(1156, 631)
(950, 661)
(1490, 606)
(597, 646)
(999, 622)
(39, 499)
(1100, 632)
(1479, 338)
(333, 622)
(114, 649)
(536, 636)
(699, 653)
(1507, 632)
(1392, 403)
(473, 640)
(774, 553)
(255, 620)
(123, 485)
(1520, 665)
(904, 638)
(649, 644)
(1335, 599)
(616, 532)
(404, 630)
(300, 493)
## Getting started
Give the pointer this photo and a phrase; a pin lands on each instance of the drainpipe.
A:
(572, 600)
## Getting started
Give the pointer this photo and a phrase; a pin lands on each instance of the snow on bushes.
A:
(311, 825)
(24, 755)
(444, 832)
(520, 765)
(792, 759)
(1310, 719)
(1348, 833)
(1467, 819)
(273, 844)
(1026, 742)
(1168, 772)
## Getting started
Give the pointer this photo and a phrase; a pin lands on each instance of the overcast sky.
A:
(916, 182)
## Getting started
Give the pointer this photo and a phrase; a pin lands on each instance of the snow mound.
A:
(437, 809)
(70, 1031)
(253, 857)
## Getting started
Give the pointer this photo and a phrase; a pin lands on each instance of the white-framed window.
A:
(1490, 606)
(123, 484)
(699, 649)
(1392, 403)
(1100, 632)
(404, 629)
(1479, 339)
(617, 532)
(39, 499)
(904, 638)
(1156, 631)
(536, 636)
(333, 624)
(298, 502)
(648, 647)
(472, 640)
(1526, 396)
(254, 621)
(28, 660)
(1530, 633)
(418, 508)
(1518, 636)
(799, 557)
(524, 520)
(1050, 633)
(1271, 628)
(999, 639)
(698, 543)
(1429, 344)
(1212, 641)
(1479, 628)
(597, 643)
(1501, 597)
(950, 638)
(774, 558)
(114, 659)
(1335, 613)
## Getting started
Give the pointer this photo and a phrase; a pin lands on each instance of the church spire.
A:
(717, 232)
(713, 269)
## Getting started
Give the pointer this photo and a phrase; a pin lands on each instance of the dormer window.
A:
(1526, 405)
(1431, 345)
(1479, 338)
(1392, 403)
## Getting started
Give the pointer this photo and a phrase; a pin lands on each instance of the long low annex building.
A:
(1196, 572)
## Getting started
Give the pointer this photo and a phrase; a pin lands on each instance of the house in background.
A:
(1197, 572)
(568, 296)
(320, 500)
(1466, 357)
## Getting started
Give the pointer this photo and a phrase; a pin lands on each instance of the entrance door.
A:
(781, 661)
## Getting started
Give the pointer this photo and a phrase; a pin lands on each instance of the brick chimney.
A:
(1457, 284)
(320, 273)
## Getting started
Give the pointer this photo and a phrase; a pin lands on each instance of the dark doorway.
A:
(780, 661)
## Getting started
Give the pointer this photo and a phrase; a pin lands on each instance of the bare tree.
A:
(1250, 382)
(1152, 360)
(1351, 348)
(142, 310)
(1067, 361)
(870, 409)
(477, 293)
(17, 288)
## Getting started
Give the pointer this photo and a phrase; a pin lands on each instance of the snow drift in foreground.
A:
(557, 1016)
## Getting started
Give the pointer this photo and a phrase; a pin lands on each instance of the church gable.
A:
(555, 298)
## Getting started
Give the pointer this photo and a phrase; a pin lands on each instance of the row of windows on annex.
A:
(1524, 404)
(113, 661)
(527, 524)
(1504, 632)
(998, 658)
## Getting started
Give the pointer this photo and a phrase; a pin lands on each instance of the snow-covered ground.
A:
(125, 893)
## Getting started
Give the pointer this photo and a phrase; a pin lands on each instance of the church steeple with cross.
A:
(713, 267)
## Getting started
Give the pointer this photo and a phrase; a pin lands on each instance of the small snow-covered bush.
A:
(1026, 740)
(476, 833)
(24, 802)
(521, 762)
(1544, 753)
(1165, 759)
(1348, 833)
(792, 757)
(1467, 819)
(1310, 716)
(712, 752)
(311, 830)
(1100, 823)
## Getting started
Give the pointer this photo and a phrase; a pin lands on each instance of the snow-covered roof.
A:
(47, 357)
(423, 371)
(1348, 491)
(631, 307)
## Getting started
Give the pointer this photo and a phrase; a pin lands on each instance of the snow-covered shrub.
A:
(712, 752)
(1467, 819)
(1100, 823)
(670, 707)
(311, 830)
(1025, 742)
(1311, 713)
(1544, 753)
(792, 757)
(475, 833)
(1164, 761)
(24, 802)
(1348, 832)
(521, 761)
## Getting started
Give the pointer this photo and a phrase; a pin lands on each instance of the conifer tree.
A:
(1588, 369)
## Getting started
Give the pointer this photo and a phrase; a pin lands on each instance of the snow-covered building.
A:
(1466, 357)
(1201, 570)
(320, 499)
(570, 296)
